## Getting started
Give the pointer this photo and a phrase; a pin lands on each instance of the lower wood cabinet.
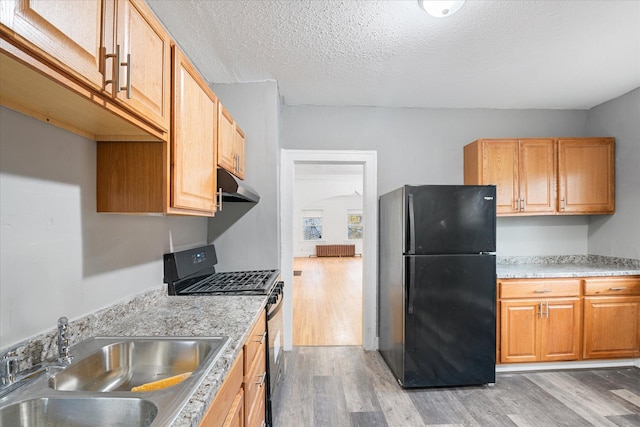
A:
(241, 400)
(546, 328)
(229, 401)
(612, 317)
(255, 374)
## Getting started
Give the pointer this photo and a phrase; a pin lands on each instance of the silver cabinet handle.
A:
(563, 203)
(542, 291)
(115, 69)
(262, 337)
(115, 72)
(522, 204)
(540, 309)
(262, 377)
(620, 288)
(219, 204)
(517, 205)
(547, 309)
(128, 65)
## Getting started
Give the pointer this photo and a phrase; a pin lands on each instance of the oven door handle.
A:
(274, 310)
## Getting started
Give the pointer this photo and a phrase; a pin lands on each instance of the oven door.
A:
(275, 355)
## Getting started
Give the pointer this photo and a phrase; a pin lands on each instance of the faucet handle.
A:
(9, 367)
(63, 340)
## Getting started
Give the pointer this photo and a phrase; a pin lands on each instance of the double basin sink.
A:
(95, 389)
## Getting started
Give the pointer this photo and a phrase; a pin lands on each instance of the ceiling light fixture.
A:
(439, 8)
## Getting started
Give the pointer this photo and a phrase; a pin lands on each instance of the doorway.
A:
(368, 160)
(328, 228)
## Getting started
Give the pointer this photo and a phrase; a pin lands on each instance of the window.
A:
(354, 225)
(312, 225)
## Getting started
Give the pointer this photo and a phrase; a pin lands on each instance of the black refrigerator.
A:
(437, 284)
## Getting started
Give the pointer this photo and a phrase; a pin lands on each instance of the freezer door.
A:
(450, 320)
(450, 219)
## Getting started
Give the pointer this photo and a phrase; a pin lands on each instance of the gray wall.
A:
(619, 235)
(247, 236)
(58, 257)
(424, 146)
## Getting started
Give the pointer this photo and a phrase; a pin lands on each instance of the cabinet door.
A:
(519, 329)
(226, 139)
(611, 327)
(238, 148)
(560, 330)
(67, 32)
(193, 140)
(148, 75)
(537, 176)
(235, 417)
(500, 167)
(586, 175)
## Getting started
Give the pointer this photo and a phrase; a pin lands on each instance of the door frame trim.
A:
(288, 160)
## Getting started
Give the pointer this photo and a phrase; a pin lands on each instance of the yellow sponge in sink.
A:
(163, 383)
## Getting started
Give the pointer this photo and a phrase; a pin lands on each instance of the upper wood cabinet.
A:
(544, 176)
(67, 33)
(231, 140)
(586, 171)
(170, 178)
(523, 171)
(145, 48)
(115, 47)
(193, 139)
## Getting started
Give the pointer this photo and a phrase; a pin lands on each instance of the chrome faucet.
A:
(10, 377)
(63, 341)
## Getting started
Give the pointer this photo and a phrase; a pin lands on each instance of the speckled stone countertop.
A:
(565, 266)
(156, 314)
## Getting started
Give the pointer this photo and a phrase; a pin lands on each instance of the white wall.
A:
(619, 234)
(424, 146)
(335, 195)
(247, 236)
(57, 255)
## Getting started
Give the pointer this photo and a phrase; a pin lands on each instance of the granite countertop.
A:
(156, 314)
(565, 266)
(230, 316)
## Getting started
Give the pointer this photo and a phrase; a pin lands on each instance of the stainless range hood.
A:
(234, 190)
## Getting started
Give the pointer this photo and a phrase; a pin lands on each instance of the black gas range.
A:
(192, 272)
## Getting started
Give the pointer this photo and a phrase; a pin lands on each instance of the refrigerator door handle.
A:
(412, 280)
(412, 227)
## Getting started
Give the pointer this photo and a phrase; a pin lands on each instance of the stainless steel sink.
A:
(95, 389)
(86, 412)
(124, 364)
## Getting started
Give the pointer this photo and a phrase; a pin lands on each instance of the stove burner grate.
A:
(259, 281)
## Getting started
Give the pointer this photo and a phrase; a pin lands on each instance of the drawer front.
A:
(539, 288)
(611, 286)
(257, 338)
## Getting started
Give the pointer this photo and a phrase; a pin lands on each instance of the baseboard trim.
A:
(552, 366)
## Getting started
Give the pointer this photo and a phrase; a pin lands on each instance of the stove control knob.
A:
(273, 299)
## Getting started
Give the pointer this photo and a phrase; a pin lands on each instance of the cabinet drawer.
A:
(257, 337)
(539, 288)
(624, 285)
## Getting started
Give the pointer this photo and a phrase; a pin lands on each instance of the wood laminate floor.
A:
(327, 301)
(346, 386)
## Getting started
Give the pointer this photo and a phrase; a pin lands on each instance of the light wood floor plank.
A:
(327, 301)
(628, 396)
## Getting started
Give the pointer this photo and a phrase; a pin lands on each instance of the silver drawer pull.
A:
(262, 337)
(542, 291)
(262, 377)
(620, 288)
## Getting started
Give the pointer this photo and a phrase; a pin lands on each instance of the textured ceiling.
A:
(491, 54)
